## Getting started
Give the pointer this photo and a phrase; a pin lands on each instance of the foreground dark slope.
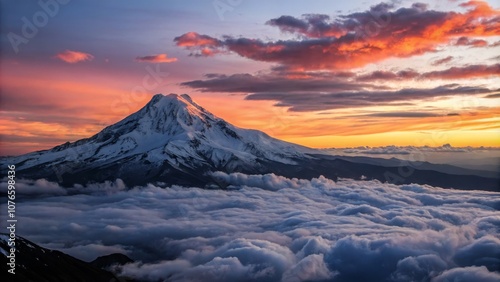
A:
(37, 264)
(172, 140)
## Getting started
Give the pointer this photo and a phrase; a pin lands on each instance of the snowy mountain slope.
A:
(171, 135)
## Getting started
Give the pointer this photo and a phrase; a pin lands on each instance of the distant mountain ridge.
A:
(174, 141)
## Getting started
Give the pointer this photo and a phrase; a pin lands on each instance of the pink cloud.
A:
(72, 57)
(160, 58)
(193, 39)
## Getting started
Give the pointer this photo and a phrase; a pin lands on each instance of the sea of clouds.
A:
(271, 228)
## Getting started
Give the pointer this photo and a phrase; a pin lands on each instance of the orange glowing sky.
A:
(402, 74)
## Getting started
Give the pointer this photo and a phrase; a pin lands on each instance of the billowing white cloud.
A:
(472, 273)
(33, 187)
(42, 187)
(271, 228)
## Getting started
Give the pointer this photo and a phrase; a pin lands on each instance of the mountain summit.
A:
(171, 139)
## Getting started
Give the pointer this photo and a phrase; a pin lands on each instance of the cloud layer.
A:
(357, 39)
(270, 228)
(405, 150)
(316, 91)
(327, 63)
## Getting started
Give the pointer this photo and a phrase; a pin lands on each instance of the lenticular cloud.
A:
(270, 228)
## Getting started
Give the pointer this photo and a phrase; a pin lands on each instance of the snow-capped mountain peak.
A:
(171, 132)
(163, 112)
(173, 140)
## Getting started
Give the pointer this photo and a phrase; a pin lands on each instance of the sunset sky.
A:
(320, 73)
